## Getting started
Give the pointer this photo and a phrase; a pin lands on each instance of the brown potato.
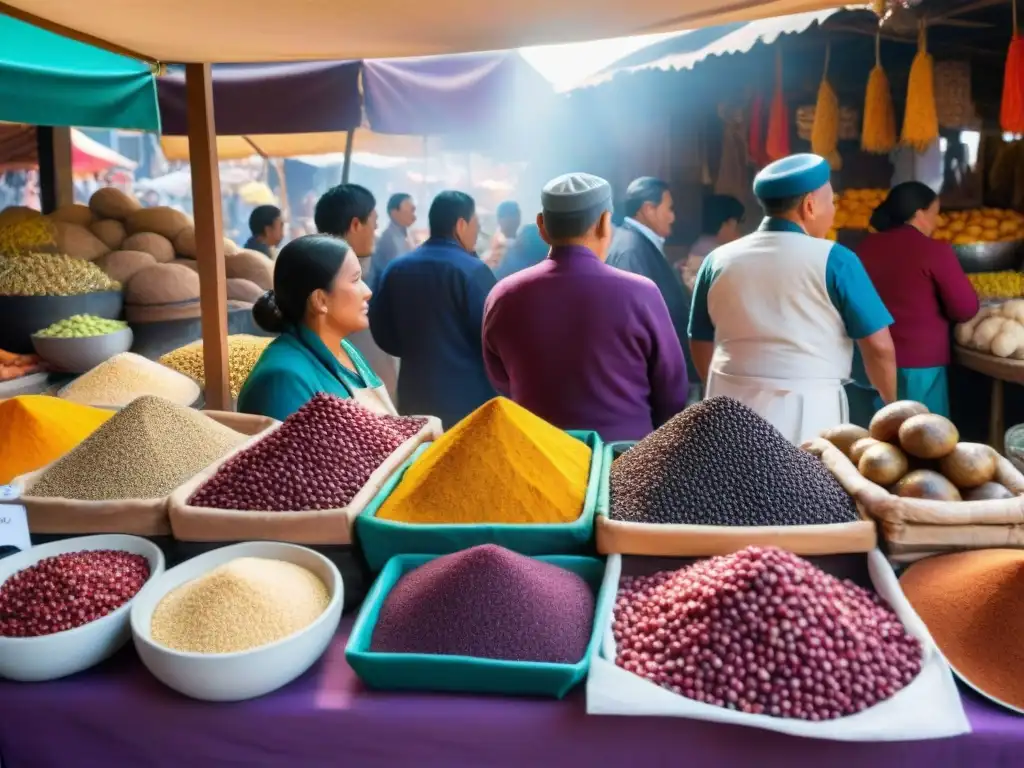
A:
(885, 425)
(883, 464)
(858, 448)
(970, 465)
(844, 436)
(928, 436)
(925, 484)
(987, 492)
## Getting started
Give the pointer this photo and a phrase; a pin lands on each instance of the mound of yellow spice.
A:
(36, 430)
(500, 464)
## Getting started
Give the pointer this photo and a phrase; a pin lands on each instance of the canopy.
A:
(295, 144)
(450, 95)
(266, 30)
(18, 151)
(46, 79)
(301, 97)
(689, 49)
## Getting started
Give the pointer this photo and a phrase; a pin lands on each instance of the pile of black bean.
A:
(719, 463)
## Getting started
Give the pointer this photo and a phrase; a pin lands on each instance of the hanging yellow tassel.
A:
(921, 121)
(825, 130)
(878, 134)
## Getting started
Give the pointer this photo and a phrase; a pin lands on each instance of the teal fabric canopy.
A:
(47, 79)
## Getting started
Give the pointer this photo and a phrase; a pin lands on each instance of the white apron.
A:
(781, 346)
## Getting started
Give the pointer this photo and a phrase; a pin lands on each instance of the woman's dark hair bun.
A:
(268, 315)
(901, 204)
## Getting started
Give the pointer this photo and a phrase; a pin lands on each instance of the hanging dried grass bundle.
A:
(921, 121)
(825, 131)
(878, 135)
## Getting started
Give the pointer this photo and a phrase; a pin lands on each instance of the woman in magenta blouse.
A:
(925, 289)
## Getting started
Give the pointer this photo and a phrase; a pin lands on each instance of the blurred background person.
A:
(428, 311)
(267, 230)
(394, 241)
(528, 249)
(721, 216)
(510, 218)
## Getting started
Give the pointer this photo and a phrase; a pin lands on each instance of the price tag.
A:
(14, 536)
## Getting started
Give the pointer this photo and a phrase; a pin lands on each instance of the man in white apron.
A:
(775, 314)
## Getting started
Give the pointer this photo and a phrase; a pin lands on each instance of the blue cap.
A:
(792, 176)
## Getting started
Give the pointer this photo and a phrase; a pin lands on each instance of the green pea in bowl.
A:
(80, 343)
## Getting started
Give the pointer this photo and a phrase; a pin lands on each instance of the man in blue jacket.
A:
(428, 311)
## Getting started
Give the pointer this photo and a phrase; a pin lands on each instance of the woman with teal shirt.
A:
(319, 299)
(926, 291)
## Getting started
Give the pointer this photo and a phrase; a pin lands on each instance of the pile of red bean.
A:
(319, 458)
(69, 590)
(762, 631)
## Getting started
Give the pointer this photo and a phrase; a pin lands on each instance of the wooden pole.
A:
(56, 184)
(346, 169)
(206, 206)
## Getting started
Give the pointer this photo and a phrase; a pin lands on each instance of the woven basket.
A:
(953, 100)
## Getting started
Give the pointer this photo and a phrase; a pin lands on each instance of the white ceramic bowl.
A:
(243, 674)
(33, 659)
(80, 354)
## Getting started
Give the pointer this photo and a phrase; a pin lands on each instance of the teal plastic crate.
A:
(612, 451)
(380, 540)
(466, 674)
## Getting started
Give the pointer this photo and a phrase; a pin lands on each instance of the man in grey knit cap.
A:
(577, 342)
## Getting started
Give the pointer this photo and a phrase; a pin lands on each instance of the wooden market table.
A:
(1000, 371)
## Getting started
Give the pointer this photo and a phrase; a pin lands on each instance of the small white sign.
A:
(13, 523)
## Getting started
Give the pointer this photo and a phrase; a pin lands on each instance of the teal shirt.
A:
(295, 367)
(847, 282)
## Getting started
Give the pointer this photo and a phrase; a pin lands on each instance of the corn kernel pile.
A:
(26, 236)
(980, 225)
(243, 352)
(44, 274)
(998, 285)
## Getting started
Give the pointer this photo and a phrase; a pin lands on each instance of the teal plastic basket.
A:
(380, 540)
(466, 674)
(612, 451)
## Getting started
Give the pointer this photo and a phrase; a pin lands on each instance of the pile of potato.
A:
(996, 330)
(981, 225)
(917, 454)
(150, 251)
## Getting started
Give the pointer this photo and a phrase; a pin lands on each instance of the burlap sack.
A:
(140, 517)
(312, 527)
(884, 506)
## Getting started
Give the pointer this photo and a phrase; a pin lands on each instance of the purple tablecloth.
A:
(117, 715)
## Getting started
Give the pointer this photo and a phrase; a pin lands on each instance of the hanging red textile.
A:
(1011, 115)
(777, 140)
(755, 140)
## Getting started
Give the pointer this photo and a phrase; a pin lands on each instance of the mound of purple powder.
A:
(490, 603)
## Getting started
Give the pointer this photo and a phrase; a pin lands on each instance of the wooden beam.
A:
(346, 168)
(56, 183)
(206, 207)
(73, 34)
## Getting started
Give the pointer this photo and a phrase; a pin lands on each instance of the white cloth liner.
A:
(929, 708)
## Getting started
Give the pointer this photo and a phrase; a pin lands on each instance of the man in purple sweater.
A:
(577, 342)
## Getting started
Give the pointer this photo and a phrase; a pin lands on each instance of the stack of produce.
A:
(855, 206)
(917, 455)
(244, 604)
(82, 327)
(243, 353)
(500, 464)
(126, 376)
(57, 233)
(973, 605)
(996, 330)
(719, 463)
(41, 274)
(1008, 284)
(319, 458)
(980, 225)
(38, 430)
(68, 591)
(14, 366)
(764, 632)
(143, 452)
(488, 603)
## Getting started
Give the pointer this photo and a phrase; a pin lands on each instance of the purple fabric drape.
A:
(449, 95)
(300, 97)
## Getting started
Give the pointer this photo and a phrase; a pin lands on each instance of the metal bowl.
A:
(990, 257)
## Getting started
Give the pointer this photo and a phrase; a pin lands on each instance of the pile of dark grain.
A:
(488, 602)
(719, 463)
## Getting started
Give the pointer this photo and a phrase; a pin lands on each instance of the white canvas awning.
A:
(189, 31)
